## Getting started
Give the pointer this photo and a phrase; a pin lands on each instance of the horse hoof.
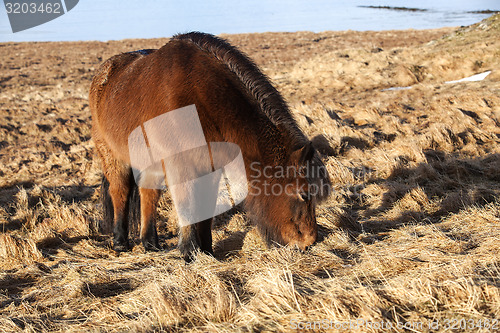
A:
(209, 253)
(189, 258)
(121, 247)
(150, 247)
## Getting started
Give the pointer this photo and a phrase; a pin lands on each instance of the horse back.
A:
(132, 88)
(108, 70)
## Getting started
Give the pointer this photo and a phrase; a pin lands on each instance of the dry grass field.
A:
(410, 237)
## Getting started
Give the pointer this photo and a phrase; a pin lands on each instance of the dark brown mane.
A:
(258, 84)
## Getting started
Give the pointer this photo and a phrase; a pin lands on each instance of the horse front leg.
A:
(195, 237)
(204, 231)
(188, 242)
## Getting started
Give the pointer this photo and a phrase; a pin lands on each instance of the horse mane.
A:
(267, 97)
(258, 84)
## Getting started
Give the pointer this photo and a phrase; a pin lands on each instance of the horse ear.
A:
(303, 154)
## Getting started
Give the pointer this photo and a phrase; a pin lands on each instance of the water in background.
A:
(113, 20)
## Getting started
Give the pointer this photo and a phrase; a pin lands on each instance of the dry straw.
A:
(409, 237)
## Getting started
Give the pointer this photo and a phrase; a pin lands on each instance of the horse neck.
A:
(261, 142)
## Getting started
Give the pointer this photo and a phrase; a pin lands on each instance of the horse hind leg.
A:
(118, 176)
(129, 205)
(120, 190)
(148, 234)
(106, 225)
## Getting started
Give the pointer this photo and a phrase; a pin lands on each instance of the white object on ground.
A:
(473, 78)
(396, 88)
(477, 77)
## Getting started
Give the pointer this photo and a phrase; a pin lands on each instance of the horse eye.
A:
(304, 196)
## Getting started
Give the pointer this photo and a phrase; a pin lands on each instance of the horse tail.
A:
(134, 208)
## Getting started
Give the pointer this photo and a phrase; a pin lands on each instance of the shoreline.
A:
(225, 34)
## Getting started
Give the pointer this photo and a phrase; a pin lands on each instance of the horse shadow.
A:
(448, 182)
(452, 183)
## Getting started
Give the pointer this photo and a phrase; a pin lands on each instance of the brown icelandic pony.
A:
(236, 103)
